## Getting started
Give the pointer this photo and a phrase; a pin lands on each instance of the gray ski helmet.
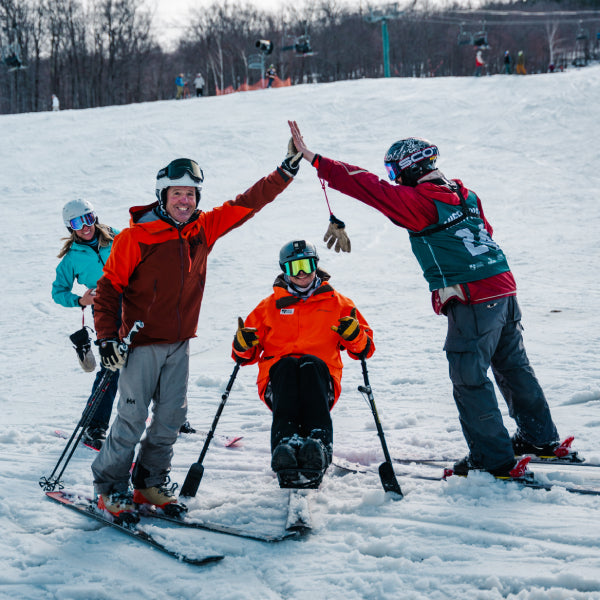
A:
(179, 172)
(295, 250)
(408, 160)
(74, 209)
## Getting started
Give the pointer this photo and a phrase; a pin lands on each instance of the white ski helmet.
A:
(74, 209)
(179, 172)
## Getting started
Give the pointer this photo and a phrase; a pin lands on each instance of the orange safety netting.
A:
(259, 85)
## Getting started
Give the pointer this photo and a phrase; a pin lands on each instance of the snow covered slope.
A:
(527, 145)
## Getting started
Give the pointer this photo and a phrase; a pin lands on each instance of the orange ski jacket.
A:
(160, 270)
(290, 326)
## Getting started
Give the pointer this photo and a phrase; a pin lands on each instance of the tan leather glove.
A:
(336, 234)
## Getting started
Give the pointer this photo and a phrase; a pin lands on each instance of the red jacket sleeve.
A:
(404, 205)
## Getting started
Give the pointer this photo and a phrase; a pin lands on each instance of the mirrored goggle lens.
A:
(78, 223)
(308, 265)
(391, 171)
(178, 168)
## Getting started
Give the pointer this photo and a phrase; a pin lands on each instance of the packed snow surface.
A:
(527, 145)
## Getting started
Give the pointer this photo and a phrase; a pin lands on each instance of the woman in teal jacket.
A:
(83, 257)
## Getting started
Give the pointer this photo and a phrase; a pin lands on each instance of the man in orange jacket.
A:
(158, 267)
(296, 336)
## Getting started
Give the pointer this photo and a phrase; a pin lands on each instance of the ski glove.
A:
(83, 346)
(349, 327)
(291, 163)
(110, 355)
(336, 234)
(245, 337)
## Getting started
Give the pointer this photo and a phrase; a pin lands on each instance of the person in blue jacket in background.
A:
(83, 255)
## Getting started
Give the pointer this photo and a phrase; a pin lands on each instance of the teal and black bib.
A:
(457, 249)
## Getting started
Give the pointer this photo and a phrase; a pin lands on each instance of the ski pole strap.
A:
(326, 198)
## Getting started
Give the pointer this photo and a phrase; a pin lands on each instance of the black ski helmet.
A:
(297, 249)
(408, 160)
(182, 172)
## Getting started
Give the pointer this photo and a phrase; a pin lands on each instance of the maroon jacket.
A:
(160, 270)
(414, 209)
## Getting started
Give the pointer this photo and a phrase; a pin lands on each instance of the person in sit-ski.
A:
(296, 336)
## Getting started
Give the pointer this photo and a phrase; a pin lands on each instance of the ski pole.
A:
(196, 470)
(386, 470)
(49, 484)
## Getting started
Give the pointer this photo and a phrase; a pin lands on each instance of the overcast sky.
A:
(172, 15)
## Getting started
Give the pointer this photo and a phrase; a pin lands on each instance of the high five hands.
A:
(336, 235)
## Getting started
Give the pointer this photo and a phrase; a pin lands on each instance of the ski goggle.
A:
(180, 167)
(80, 222)
(391, 171)
(308, 265)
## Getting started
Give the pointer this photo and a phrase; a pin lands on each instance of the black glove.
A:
(245, 337)
(291, 163)
(336, 234)
(349, 327)
(110, 355)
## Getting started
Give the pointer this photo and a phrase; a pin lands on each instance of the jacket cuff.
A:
(284, 174)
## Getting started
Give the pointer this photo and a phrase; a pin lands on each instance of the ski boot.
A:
(161, 497)
(119, 507)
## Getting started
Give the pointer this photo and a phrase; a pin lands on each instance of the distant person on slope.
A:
(507, 63)
(472, 285)
(199, 85)
(296, 336)
(479, 63)
(158, 265)
(179, 85)
(521, 64)
(271, 75)
(83, 256)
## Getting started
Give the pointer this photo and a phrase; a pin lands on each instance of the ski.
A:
(435, 462)
(357, 468)
(225, 440)
(86, 506)
(298, 518)
(218, 528)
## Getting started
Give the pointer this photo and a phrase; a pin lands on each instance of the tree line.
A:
(104, 52)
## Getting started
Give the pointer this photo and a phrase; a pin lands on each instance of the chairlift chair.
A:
(303, 46)
(582, 34)
(11, 57)
(465, 38)
(480, 39)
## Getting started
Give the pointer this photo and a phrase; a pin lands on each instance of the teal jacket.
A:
(82, 263)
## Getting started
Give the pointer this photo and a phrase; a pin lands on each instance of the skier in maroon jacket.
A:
(472, 285)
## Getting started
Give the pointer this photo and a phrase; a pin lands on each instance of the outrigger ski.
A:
(217, 527)
(87, 506)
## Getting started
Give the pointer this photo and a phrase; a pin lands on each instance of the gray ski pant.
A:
(157, 373)
(484, 335)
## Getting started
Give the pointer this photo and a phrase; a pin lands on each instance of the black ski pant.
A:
(301, 390)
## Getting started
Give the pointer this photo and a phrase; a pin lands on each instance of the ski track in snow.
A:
(519, 142)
